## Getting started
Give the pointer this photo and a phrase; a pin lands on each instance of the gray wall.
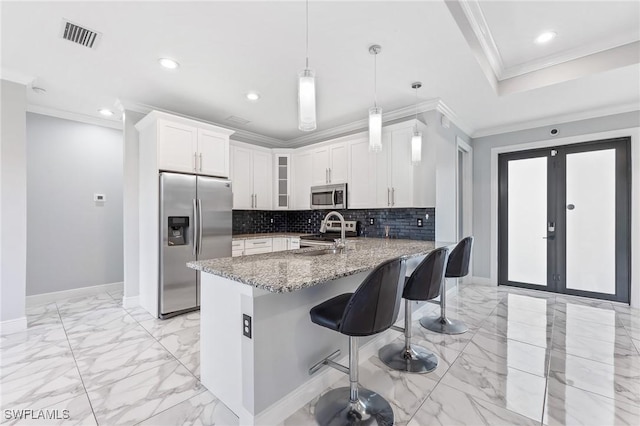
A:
(482, 172)
(13, 205)
(72, 241)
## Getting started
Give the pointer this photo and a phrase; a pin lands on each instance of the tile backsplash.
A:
(402, 222)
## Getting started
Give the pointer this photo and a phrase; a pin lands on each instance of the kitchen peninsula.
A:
(257, 341)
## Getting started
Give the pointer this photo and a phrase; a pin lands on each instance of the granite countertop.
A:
(267, 235)
(287, 271)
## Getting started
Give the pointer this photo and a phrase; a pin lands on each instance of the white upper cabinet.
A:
(187, 146)
(213, 153)
(251, 178)
(282, 170)
(361, 186)
(401, 168)
(177, 146)
(301, 178)
(330, 164)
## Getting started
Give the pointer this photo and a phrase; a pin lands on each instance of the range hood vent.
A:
(237, 120)
(79, 35)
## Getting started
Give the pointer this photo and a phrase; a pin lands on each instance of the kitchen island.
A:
(256, 339)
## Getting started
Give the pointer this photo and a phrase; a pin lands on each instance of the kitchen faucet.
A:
(323, 228)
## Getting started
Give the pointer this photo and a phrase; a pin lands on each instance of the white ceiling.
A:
(228, 48)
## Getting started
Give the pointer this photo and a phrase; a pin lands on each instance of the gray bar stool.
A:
(373, 308)
(457, 267)
(423, 284)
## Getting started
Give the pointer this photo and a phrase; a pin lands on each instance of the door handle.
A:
(199, 226)
(326, 175)
(195, 161)
(333, 197)
(200, 161)
(550, 237)
(330, 172)
(256, 197)
(195, 227)
(393, 197)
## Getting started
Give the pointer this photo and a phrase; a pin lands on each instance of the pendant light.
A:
(375, 113)
(416, 139)
(307, 92)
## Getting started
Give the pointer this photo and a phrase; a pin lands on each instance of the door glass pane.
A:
(591, 220)
(527, 221)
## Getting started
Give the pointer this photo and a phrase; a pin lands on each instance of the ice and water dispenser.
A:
(178, 226)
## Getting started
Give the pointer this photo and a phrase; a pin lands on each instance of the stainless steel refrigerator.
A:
(195, 224)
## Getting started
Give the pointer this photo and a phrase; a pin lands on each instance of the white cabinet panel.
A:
(301, 180)
(339, 164)
(262, 183)
(401, 168)
(177, 146)
(294, 243)
(383, 177)
(213, 153)
(320, 166)
(280, 244)
(242, 178)
(362, 182)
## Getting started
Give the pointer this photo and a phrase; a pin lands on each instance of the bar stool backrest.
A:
(458, 265)
(424, 283)
(375, 305)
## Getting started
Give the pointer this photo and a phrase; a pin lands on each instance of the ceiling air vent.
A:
(237, 120)
(79, 35)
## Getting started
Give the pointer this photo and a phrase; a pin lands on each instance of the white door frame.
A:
(467, 194)
(634, 133)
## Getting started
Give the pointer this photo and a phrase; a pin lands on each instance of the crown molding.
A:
(74, 116)
(16, 76)
(239, 134)
(558, 119)
(479, 26)
(362, 124)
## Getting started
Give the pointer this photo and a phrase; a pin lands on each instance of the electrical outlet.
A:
(419, 222)
(309, 222)
(271, 220)
(372, 221)
(246, 325)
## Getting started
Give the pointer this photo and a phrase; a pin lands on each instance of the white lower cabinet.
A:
(263, 245)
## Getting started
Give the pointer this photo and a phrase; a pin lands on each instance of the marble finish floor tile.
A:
(449, 406)
(42, 315)
(202, 409)
(526, 333)
(568, 405)
(191, 362)
(621, 353)
(446, 356)
(41, 335)
(84, 304)
(494, 382)
(114, 362)
(88, 340)
(97, 320)
(139, 314)
(141, 396)
(160, 328)
(512, 353)
(456, 342)
(182, 343)
(596, 377)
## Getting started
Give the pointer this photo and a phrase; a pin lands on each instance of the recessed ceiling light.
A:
(105, 112)
(168, 63)
(253, 96)
(545, 37)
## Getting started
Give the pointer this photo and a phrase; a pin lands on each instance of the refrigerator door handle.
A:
(199, 226)
(195, 227)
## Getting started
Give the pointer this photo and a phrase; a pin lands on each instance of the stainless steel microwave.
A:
(329, 196)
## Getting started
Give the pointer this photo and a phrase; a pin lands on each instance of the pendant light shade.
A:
(375, 113)
(416, 147)
(307, 90)
(375, 129)
(306, 100)
(416, 139)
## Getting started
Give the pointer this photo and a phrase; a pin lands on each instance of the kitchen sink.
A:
(320, 252)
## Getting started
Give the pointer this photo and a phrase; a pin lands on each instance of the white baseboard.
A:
(130, 302)
(13, 326)
(298, 398)
(41, 299)
(482, 281)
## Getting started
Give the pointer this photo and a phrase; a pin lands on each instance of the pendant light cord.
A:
(375, 80)
(416, 125)
(307, 13)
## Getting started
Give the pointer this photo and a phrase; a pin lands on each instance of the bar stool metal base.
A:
(444, 325)
(334, 409)
(416, 360)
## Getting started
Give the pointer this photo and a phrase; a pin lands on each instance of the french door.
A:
(564, 219)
